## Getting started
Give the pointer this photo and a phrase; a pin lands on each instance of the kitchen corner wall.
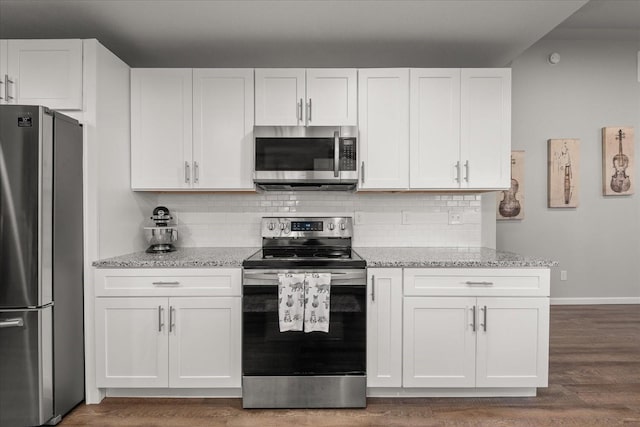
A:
(380, 219)
(598, 244)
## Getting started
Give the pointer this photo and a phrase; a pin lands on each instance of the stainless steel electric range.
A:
(297, 369)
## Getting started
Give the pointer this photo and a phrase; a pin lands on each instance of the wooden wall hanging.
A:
(564, 173)
(510, 203)
(618, 161)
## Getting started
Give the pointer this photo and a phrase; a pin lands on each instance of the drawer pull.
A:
(167, 284)
(471, 283)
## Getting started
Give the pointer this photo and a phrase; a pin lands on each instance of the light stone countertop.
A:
(182, 258)
(432, 257)
(418, 257)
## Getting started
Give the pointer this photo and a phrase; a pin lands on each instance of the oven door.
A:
(305, 160)
(268, 352)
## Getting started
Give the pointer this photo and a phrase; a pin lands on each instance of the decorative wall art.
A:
(510, 203)
(564, 173)
(618, 161)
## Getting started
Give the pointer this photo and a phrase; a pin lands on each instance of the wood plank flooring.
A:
(594, 380)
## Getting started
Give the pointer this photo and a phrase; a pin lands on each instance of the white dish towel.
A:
(317, 291)
(291, 296)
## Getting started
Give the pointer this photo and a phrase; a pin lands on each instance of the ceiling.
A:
(317, 33)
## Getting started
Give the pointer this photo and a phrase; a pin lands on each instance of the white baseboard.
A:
(452, 392)
(593, 301)
(174, 392)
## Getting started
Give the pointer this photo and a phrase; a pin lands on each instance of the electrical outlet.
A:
(563, 275)
(455, 218)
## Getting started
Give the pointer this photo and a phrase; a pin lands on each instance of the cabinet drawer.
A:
(476, 282)
(168, 282)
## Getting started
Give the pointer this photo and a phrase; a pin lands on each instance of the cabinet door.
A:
(161, 103)
(439, 342)
(3, 70)
(384, 326)
(223, 129)
(46, 72)
(205, 342)
(332, 97)
(513, 342)
(486, 128)
(131, 342)
(280, 96)
(435, 128)
(383, 120)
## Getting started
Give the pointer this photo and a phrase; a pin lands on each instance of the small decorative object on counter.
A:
(162, 235)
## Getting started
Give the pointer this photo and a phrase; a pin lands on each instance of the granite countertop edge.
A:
(390, 257)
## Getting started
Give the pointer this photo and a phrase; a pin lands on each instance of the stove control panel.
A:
(292, 227)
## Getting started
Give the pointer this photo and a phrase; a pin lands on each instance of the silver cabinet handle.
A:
(484, 322)
(466, 167)
(473, 324)
(160, 322)
(6, 87)
(1, 83)
(300, 110)
(362, 172)
(176, 283)
(373, 288)
(187, 172)
(172, 323)
(336, 154)
(457, 171)
(12, 323)
(471, 283)
(196, 173)
(309, 106)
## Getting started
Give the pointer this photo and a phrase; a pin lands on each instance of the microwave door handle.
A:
(336, 154)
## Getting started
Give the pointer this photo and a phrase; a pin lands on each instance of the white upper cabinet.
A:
(332, 97)
(42, 72)
(280, 96)
(3, 70)
(191, 129)
(383, 123)
(311, 97)
(435, 128)
(161, 112)
(460, 128)
(485, 137)
(223, 128)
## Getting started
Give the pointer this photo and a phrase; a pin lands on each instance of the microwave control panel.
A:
(348, 154)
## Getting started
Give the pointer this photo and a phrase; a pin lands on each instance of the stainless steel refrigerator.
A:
(41, 266)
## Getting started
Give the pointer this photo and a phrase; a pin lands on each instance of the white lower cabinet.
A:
(476, 342)
(169, 340)
(457, 331)
(384, 323)
(132, 346)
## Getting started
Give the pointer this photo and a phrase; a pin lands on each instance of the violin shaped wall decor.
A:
(510, 203)
(618, 162)
(564, 173)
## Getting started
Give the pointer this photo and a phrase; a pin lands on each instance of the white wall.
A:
(381, 219)
(121, 212)
(598, 244)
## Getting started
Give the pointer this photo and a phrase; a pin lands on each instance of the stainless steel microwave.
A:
(306, 163)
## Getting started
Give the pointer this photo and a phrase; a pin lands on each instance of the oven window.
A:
(267, 351)
(294, 154)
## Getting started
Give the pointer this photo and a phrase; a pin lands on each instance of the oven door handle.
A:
(337, 278)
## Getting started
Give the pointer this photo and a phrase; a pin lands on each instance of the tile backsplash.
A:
(380, 219)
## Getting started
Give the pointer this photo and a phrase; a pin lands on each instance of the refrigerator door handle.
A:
(12, 323)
